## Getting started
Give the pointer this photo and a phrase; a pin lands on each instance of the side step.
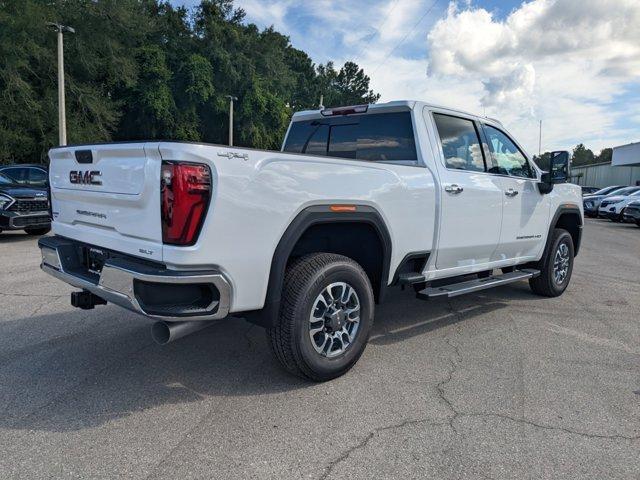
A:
(455, 289)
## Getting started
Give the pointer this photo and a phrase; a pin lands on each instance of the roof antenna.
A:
(321, 106)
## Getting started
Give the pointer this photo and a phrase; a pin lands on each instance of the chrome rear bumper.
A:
(116, 282)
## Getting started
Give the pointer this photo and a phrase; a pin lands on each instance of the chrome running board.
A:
(470, 286)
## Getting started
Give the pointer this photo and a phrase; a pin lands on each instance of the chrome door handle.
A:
(453, 189)
(511, 192)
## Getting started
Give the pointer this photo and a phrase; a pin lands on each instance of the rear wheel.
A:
(556, 266)
(325, 318)
(37, 231)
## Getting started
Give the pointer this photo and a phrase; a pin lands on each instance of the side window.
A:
(37, 177)
(507, 159)
(460, 143)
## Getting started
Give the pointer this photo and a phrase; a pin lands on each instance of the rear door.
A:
(109, 195)
(525, 209)
(471, 200)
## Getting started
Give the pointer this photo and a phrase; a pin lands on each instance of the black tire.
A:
(546, 284)
(290, 338)
(37, 231)
(638, 223)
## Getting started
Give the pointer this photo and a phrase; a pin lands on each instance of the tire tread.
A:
(281, 336)
(543, 284)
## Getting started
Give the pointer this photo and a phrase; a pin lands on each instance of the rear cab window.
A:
(375, 137)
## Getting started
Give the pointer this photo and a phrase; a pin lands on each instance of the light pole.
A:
(231, 100)
(62, 120)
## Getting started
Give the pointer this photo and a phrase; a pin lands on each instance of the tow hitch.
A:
(86, 300)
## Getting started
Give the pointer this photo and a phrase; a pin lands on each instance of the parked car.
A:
(23, 207)
(589, 190)
(612, 206)
(591, 203)
(632, 212)
(32, 174)
(305, 241)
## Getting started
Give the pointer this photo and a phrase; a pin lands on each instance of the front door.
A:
(525, 209)
(471, 199)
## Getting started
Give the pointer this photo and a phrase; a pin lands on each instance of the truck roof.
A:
(395, 104)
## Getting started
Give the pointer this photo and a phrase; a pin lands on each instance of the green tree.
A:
(349, 86)
(582, 155)
(144, 69)
(543, 161)
(605, 155)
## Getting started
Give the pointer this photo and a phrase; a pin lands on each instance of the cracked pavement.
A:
(498, 384)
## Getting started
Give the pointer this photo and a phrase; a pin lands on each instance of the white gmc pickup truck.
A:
(307, 240)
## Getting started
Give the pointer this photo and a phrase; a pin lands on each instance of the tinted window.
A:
(607, 190)
(18, 174)
(317, 144)
(343, 141)
(386, 137)
(298, 135)
(460, 143)
(624, 191)
(37, 177)
(374, 137)
(4, 180)
(507, 159)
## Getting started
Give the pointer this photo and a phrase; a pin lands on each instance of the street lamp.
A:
(231, 100)
(62, 120)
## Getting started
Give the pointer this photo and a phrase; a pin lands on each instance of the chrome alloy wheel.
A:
(561, 264)
(334, 319)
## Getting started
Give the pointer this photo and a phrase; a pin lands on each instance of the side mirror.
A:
(558, 171)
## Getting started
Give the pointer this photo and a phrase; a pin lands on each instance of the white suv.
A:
(613, 207)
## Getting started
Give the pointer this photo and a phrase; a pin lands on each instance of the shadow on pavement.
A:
(84, 370)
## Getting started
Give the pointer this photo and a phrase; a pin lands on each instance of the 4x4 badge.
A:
(244, 156)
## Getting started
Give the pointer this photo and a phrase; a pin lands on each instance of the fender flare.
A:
(314, 215)
(562, 209)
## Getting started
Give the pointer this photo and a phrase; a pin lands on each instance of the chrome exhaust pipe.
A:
(167, 332)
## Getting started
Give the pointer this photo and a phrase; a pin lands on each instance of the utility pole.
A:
(231, 100)
(540, 140)
(62, 119)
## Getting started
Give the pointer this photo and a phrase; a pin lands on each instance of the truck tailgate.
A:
(108, 195)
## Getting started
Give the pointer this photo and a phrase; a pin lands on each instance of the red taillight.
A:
(185, 190)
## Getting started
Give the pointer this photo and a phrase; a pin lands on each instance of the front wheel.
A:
(37, 231)
(556, 266)
(326, 316)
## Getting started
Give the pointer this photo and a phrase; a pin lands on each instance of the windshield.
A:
(606, 190)
(624, 192)
(4, 180)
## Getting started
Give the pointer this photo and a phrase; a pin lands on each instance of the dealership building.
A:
(624, 169)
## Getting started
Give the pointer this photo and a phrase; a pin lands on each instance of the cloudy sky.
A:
(574, 64)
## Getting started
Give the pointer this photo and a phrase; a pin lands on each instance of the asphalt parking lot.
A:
(500, 384)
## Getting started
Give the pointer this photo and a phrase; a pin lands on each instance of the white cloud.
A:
(560, 60)
(567, 62)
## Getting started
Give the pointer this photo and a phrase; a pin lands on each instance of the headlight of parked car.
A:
(588, 204)
(5, 201)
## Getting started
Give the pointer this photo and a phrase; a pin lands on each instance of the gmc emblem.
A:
(86, 177)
